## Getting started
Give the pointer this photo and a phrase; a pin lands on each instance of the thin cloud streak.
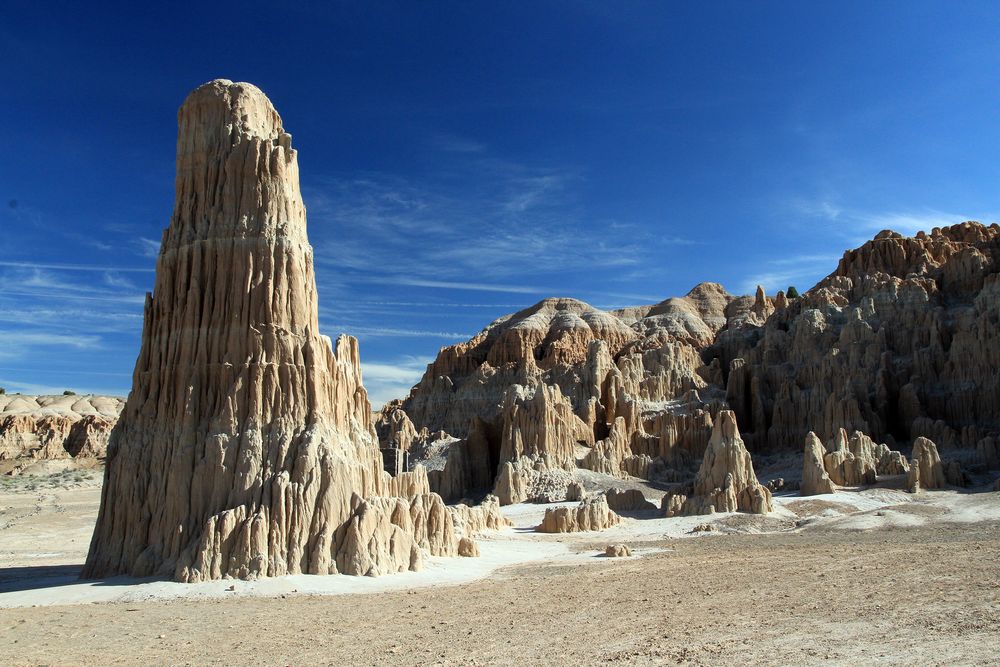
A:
(74, 267)
(361, 332)
(392, 379)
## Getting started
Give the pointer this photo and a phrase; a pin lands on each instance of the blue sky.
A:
(463, 160)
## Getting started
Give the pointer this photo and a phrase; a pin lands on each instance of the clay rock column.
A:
(246, 432)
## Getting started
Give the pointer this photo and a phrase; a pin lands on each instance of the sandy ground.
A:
(871, 577)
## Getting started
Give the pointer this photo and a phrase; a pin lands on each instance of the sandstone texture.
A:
(926, 470)
(246, 447)
(591, 514)
(56, 427)
(815, 479)
(627, 500)
(726, 481)
(617, 551)
(898, 342)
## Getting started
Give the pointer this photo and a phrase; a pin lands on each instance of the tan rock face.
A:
(539, 421)
(898, 342)
(561, 374)
(532, 479)
(394, 428)
(246, 446)
(617, 551)
(726, 481)
(56, 427)
(926, 471)
(483, 517)
(627, 500)
(591, 514)
(815, 479)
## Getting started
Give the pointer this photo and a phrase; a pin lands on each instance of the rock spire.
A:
(246, 432)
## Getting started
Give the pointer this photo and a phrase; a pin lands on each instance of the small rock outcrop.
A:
(726, 481)
(926, 471)
(591, 514)
(617, 551)
(483, 517)
(628, 500)
(532, 480)
(815, 479)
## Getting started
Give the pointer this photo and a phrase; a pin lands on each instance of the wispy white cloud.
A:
(53, 318)
(802, 276)
(148, 247)
(73, 267)
(393, 379)
(370, 331)
(16, 386)
(59, 284)
(113, 279)
(525, 193)
(857, 225)
(18, 344)
(453, 284)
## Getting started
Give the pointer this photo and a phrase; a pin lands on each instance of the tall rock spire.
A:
(246, 432)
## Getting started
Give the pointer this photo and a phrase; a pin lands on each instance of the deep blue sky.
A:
(463, 160)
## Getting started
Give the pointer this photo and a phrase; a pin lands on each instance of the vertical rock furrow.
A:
(246, 433)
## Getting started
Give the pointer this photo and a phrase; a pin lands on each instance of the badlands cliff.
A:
(246, 447)
(898, 343)
(56, 427)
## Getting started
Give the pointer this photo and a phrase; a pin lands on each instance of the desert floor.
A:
(872, 577)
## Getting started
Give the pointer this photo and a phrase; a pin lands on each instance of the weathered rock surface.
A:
(926, 471)
(617, 551)
(246, 446)
(591, 514)
(726, 481)
(562, 375)
(627, 500)
(483, 517)
(468, 548)
(899, 342)
(815, 479)
(56, 427)
(532, 480)
(393, 428)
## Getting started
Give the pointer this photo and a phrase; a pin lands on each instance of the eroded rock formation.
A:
(726, 481)
(246, 446)
(56, 427)
(627, 500)
(926, 471)
(898, 342)
(532, 479)
(617, 551)
(815, 479)
(591, 514)
(613, 392)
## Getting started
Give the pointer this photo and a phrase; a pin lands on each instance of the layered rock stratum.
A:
(56, 427)
(246, 446)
